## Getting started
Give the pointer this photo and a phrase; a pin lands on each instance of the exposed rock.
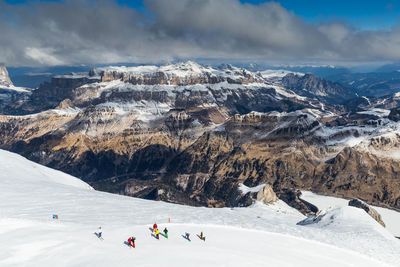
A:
(246, 196)
(66, 103)
(313, 86)
(181, 74)
(4, 78)
(371, 211)
(267, 195)
(192, 140)
(11, 97)
(292, 198)
(313, 218)
(394, 114)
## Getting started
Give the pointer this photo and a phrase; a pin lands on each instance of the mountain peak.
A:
(4, 78)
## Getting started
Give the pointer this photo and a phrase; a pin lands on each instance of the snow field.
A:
(58, 244)
(255, 236)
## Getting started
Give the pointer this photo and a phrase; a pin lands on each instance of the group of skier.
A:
(155, 231)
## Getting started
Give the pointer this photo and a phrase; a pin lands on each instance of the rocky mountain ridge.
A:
(312, 86)
(191, 134)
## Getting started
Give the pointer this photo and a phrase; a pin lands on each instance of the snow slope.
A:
(256, 236)
(390, 217)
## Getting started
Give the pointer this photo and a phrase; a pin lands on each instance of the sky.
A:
(72, 32)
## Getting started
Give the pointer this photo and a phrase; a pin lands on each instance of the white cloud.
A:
(43, 56)
(78, 32)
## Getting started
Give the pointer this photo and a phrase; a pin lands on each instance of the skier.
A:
(202, 237)
(187, 235)
(157, 234)
(154, 227)
(99, 233)
(131, 241)
(165, 232)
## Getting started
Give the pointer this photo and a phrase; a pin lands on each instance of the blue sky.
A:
(363, 14)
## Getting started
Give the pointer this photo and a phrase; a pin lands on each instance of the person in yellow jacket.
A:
(157, 234)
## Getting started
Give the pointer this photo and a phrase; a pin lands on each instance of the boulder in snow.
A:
(246, 196)
(267, 195)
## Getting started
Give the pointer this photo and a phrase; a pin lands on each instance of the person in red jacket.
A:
(154, 227)
(131, 241)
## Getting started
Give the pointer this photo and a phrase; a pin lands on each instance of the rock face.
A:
(394, 114)
(312, 86)
(267, 195)
(371, 211)
(182, 74)
(191, 134)
(11, 96)
(4, 78)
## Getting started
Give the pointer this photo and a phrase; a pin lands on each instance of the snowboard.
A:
(184, 236)
(98, 236)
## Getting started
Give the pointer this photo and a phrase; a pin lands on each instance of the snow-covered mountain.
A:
(6, 83)
(259, 235)
(311, 86)
(4, 79)
(191, 134)
(10, 94)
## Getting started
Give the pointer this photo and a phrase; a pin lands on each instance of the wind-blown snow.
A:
(255, 236)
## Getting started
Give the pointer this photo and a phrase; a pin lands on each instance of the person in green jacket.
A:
(165, 232)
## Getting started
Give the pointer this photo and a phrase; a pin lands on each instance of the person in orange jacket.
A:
(202, 237)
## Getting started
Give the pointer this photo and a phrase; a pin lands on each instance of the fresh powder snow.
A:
(259, 235)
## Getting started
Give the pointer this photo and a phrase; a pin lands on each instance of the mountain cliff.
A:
(11, 97)
(191, 134)
(4, 78)
(312, 86)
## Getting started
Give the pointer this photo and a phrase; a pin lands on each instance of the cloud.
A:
(42, 56)
(84, 32)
